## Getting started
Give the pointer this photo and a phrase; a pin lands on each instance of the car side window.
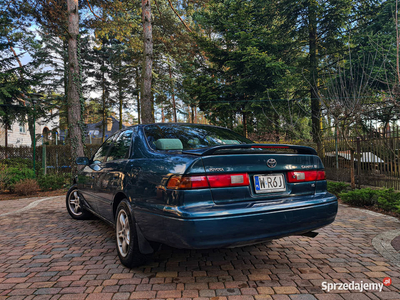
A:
(122, 144)
(101, 153)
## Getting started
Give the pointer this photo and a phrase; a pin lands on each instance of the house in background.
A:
(368, 161)
(366, 157)
(18, 134)
(94, 131)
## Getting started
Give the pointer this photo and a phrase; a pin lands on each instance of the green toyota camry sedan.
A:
(197, 186)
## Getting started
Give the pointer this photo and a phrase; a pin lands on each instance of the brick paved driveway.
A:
(44, 254)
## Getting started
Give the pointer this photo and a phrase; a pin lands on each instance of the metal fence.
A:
(55, 158)
(376, 157)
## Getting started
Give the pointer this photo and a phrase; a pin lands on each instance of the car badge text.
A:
(309, 167)
(216, 169)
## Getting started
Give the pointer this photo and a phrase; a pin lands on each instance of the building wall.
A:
(20, 136)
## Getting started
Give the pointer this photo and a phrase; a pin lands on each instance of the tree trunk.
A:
(244, 125)
(231, 120)
(188, 114)
(153, 108)
(397, 43)
(65, 104)
(147, 101)
(30, 125)
(352, 178)
(120, 105)
(121, 98)
(315, 103)
(172, 93)
(6, 141)
(103, 98)
(138, 94)
(73, 96)
(276, 133)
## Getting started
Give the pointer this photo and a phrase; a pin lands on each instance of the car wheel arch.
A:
(144, 245)
(117, 200)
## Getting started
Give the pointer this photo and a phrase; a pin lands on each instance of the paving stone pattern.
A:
(16, 204)
(44, 254)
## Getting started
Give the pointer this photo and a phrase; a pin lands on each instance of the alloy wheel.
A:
(123, 233)
(74, 203)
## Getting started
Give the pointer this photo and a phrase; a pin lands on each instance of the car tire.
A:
(126, 237)
(74, 205)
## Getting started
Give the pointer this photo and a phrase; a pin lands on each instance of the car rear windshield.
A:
(193, 136)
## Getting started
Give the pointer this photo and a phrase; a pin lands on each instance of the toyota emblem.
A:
(271, 163)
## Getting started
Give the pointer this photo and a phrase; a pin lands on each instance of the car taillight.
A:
(321, 175)
(213, 181)
(187, 182)
(304, 176)
(228, 180)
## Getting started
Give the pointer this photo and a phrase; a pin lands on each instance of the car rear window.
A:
(193, 136)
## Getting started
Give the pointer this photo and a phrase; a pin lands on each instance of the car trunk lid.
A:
(267, 170)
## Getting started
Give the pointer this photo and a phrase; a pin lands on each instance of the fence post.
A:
(43, 156)
(358, 163)
(336, 148)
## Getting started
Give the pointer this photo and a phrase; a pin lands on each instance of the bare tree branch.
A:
(90, 7)
(176, 13)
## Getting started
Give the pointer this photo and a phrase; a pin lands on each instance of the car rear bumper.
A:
(226, 229)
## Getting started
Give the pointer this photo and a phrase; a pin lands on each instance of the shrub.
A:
(362, 197)
(3, 176)
(388, 200)
(17, 162)
(53, 182)
(26, 187)
(10, 176)
(385, 199)
(337, 187)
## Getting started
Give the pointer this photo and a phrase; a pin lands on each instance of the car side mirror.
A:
(82, 161)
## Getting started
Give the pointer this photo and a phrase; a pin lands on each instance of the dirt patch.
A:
(12, 196)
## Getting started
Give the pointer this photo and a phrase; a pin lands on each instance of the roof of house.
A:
(96, 129)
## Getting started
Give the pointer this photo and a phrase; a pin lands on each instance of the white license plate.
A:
(269, 183)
